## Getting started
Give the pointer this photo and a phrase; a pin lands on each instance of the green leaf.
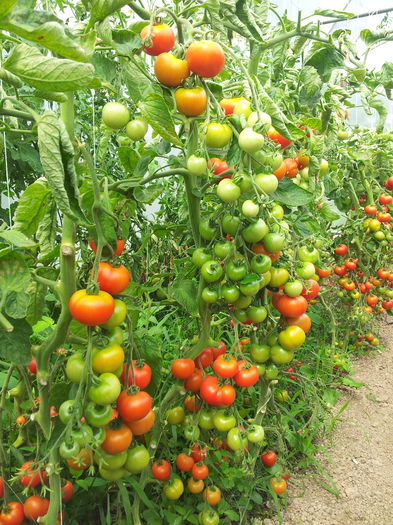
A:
(14, 273)
(185, 292)
(149, 193)
(104, 67)
(37, 292)
(59, 393)
(125, 498)
(46, 232)
(16, 304)
(31, 207)
(325, 58)
(156, 112)
(17, 239)
(57, 154)
(29, 154)
(313, 123)
(279, 120)
(387, 75)
(50, 73)
(100, 9)
(125, 42)
(247, 17)
(138, 84)
(45, 29)
(6, 6)
(378, 104)
(311, 81)
(331, 13)
(290, 194)
(370, 37)
(128, 157)
(349, 381)
(15, 346)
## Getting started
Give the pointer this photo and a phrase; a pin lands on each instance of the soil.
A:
(360, 454)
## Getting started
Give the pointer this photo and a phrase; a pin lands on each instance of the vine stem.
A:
(2, 452)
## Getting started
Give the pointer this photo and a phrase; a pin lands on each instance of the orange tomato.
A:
(169, 70)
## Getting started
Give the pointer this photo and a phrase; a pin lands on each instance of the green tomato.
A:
(261, 368)
(250, 285)
(197, 166)
(244, 182)
(237, 439)
(243, 107)
(279, 276)
(112, 475)
(305, 270)
(323, 167)
(115, 336)
(250, 141)
(304, 185)
(69, 449)
(236, 269)
(272, 340)
(380, 236)
(255, 231)
(230, 224)
(274, 242)
(304, 173)
(250, 208)
(277, 211)
(260, 353)
(261, 263)
(82, 435)
(205, 419)
(271, 372)
(209, 295)
(292, 337)
(257, 314)
(115, 115)
(293, 288)
(266, 183)
(67, 411)
(265, 279)
(110, 461)
(218, 135)
(74, 367)
(255, 434)
(243, 302)
(211, 271)
(342, 134)
(223, 421)
(175, 416)
(207, 229)
(208, 517)
(261, 118)
(136, 129)
(118, 316)
(98, 415)
(174, 488)
(200, 256)
(228, 191)
(280, 356)
(192, 432)
(241, 315)
(105, 390)
(306, 254)
(230, 294)
(137, 459)
(222, 249)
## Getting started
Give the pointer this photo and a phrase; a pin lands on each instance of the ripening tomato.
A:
(340, 270)
(33, 365)
(292, 306)
(117, 438)
(182, 368)
(91, 310)
(292, 337)
(384, 217)
(219, 166)
(12, 514)
(31, 477)
(212, 495)
(372, 300)
(275, 136)
(132, 407)
(303, 321)
(82, 460)
(67, 491)
(191, 102)
(311, 290)
(371, 210)
(215, 395)
(389, 183)
(113, 279)
(279, 485)
(159, 39)
(247, 374)
(228, 104)
(302, 160)
(194, 381)
(161, 470)
(143, 425)
(184, 462)
(119, 246)
(195, 486)
(169, 70)
(323, 273)
(225, 366)
(205, 58)
(198, 454)
(34, 507)
(385, 199)
(200, 471)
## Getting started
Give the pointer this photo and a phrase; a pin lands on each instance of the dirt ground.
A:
(361, 456)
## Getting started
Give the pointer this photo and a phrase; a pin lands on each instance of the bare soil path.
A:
(361, 456)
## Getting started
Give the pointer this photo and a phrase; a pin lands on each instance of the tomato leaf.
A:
(16, 304)
(45, 29)
(290, 194)
(35, 309)
(325, 58)
(185, 292)
(149, 193)
(331, 13)
(31, 207)
(15, 346)
(246, 16)
(135, 76)
(6, 6)
(17, 239)
(129, 159)
(155, 110)
(100, 9)
(46, 232)
(49, 73)
(14, 273)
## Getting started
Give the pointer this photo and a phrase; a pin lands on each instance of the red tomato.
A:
(385, 199)
(182, 368)
(160, 40)
(143, 425)
(184, 462)
(269, 458)
(67, 491)
(372, 300)
(33, 365)
(275, 136)
(225, 366)
(205, 58)
(35, 507)
(91, 310)
(117, 438)
(247, 375)
(161, 469)
(12, 514)
(119, 246)
(219, 350)
(311, 290)
(292, 306)
(219, 166)
(323, 273)
(258, 248)
(30, 477)
(215, 395)
(371, 210)
(351, 264)
(205, 358)
(198, 453)
(340, 270)
(192, 404)
(113, 279)
(141, 372)
(193, 383)
(1, 487)
(389, 183)
(200, 471)
(132, 407)
(341, 250)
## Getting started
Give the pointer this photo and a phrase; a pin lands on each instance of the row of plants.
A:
(194, 242)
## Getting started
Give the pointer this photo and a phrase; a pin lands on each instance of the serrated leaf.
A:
(128, 157)
(56, 153)
(29, 154)
(36, 305)
(349, 381)
(104, 67)
(311, 81)
(31, 207)
(331, 13)
(50, 73)
(156, 112)
(16, 304)
(279, 120)
(185, 292)
(290, 194)
(370, 37)
(15, 346)
(149, 193)
(17, 239)
(46, 232)
(246, 16)
(325, 58)
(100, 9)
(142, 165)
(125, 42)
(14, 273)
(329, 212)
(138, 84)
(45, 29)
